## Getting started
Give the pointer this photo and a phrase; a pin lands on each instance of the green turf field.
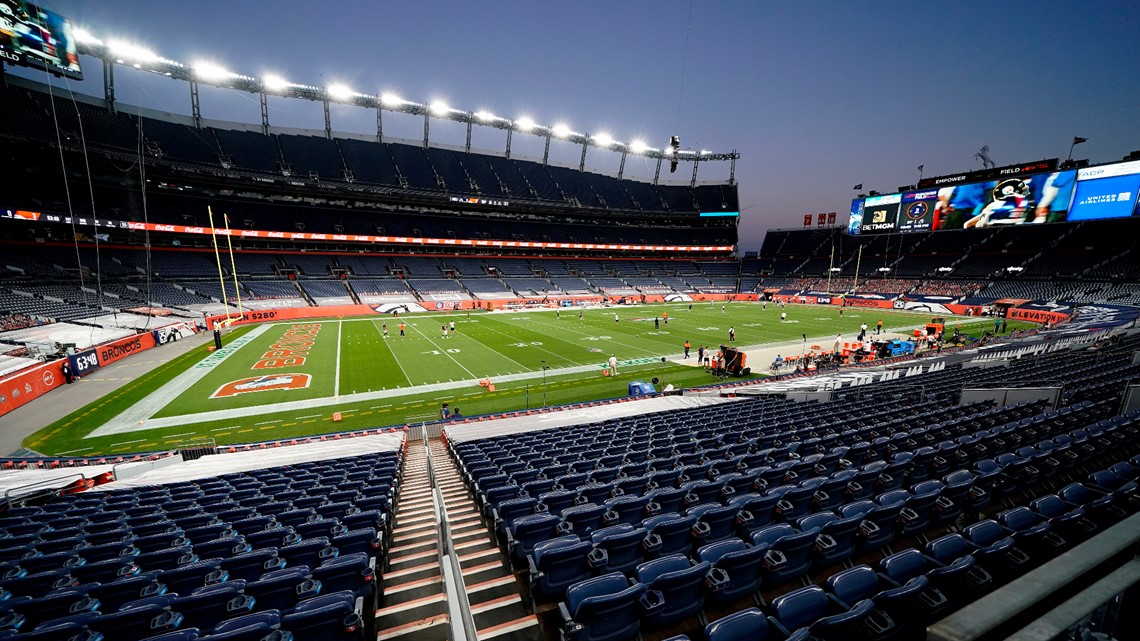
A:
(349, 367)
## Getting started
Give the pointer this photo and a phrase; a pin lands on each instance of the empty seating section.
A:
(488, 288)
(214, 290)
(312, 156)
(466, 266)
(418, 266)
(369, 162)
(378, 287)
(479, 170)
(296, 547)
(573, 183)
(311, 265)
(325, 289)
(528, 286)
(435, 285)
(255, 264)
(509, 176)
(250, 150)
(446, 165)
(538, 177)
(180, 142)
(510, 267)
(572, 285)
(414, 166)
(363, 265)
(272, 289)
(899, 513)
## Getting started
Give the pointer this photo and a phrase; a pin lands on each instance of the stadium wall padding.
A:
(23, 388)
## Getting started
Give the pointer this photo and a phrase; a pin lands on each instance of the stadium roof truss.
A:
(116, 52)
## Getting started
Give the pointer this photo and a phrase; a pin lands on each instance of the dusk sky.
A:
(817, 96)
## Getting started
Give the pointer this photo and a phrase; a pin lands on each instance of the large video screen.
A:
(1015, 200)
(880, 214)
(35, 37)
(1107, 192)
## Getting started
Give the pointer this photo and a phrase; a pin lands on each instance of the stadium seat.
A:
(556, 564)
(605, 608)
(617, 548)
(736, 569)
(824, 618)
(681, 584)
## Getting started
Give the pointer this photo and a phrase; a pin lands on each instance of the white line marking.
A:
(393, 353)
(301, 417)
(336, 379)
(445, 353)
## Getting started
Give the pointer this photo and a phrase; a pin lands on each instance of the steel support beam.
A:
(109, 85)
(195, 110)
(264, 113)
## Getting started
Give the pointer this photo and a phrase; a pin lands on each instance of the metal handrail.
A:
(459, 607)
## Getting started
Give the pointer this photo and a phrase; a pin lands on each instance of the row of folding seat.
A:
(908, 590)
(124, 561)
(928, 502)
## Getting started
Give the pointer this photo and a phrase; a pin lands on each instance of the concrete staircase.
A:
(491, 587)
(414, 605)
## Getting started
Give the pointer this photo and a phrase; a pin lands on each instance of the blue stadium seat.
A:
(715, 522)
(681, 584)
(332, 617)
(617, 548)
(736, 568)
(746, 625)
(283, 589)
(837, 537)
(605, 608)
(668, 534)
(209, 606)
(556, 564)
(526, 531)
(825, 618)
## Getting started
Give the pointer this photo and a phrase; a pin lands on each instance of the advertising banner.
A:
(124, 347)
(22, 388)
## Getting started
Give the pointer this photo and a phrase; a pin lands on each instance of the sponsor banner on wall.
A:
(1036, 315)
(24, 387)
(124, 347)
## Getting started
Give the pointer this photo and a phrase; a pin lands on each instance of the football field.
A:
(281, 380)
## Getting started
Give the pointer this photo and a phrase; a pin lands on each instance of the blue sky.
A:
(817, 96)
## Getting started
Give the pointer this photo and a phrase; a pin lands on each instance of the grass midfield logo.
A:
(263, 384)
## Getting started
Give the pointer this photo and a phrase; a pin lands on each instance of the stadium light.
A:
(128, 51)
(638, 147)
(560, 130)
(340, 92)
(603, 140)
(391, 100)
(525, 124)
(85, 37)
(274, 82)
(486, 116)
(210, 71)
(706, 152)
(439, 108)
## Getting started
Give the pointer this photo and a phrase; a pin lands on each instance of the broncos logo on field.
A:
(263, 384)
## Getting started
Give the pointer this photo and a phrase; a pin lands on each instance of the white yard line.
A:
(394, 357)
(444, 351)
(336, 379)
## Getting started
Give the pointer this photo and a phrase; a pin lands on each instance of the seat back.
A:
(746, 625)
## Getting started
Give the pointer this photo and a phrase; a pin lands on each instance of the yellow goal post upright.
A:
(233, 267)
(218, 259)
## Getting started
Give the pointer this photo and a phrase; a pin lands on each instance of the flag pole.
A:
(233, 267)
(218, 260)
